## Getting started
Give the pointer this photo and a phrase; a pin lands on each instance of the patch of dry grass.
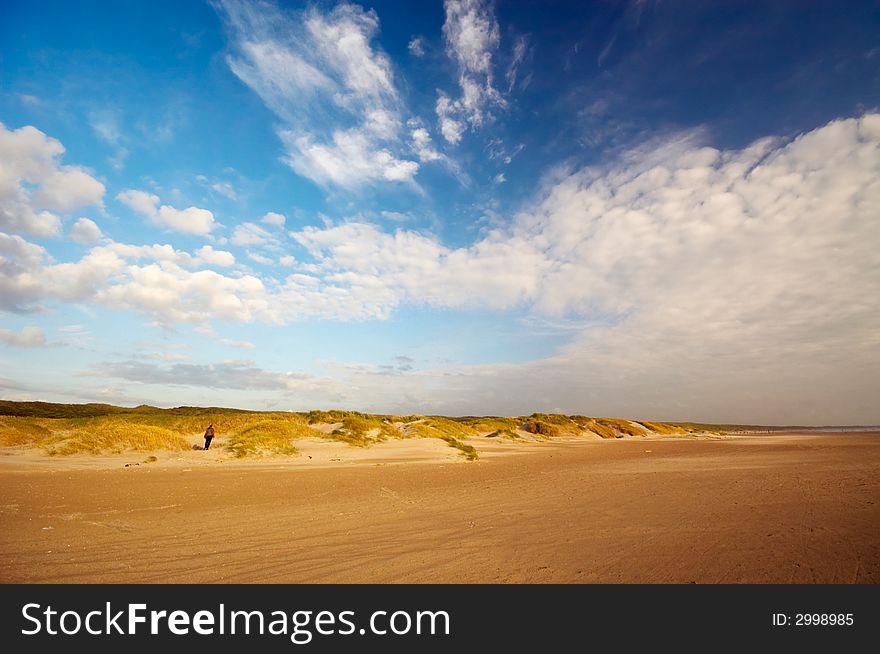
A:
(663, 428)
(622, 426)
(425, 429)
(114, 434)
(22, 431)
(485, 425)
(268, 437)
(362, 430)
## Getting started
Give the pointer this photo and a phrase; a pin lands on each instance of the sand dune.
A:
(781, 508)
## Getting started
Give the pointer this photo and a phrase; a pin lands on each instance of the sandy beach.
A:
(782, 508)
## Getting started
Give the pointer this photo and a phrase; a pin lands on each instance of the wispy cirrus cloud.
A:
(472, 38)
(332, 87)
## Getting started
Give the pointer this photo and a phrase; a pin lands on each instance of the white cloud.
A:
(30, 100)
(472, 38)
(20, 289)
(287, 260)
(105, 124)
(225, 189)
(112, 275)
(421, 140)
(27, 337)
(472, 35)
(213, 257)
(241, 345)
(84, 231)
(191, 220)
(350, 160)
(519, 52)
(274, 219)
(168, 356)
(259, 258)
(451, 129)
(396, 216)
(33, 184)
(251, 234)
(752, 271)
(416, 46)
(706, 281)
(333, 89)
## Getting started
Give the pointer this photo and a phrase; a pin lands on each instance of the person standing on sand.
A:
(209, 436)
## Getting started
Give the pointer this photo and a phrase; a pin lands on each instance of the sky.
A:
(643, 209)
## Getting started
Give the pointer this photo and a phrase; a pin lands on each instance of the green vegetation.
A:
(61, 429)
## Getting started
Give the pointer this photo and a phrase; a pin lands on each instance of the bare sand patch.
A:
(765, 509)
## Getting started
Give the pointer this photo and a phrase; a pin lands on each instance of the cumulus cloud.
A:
(27, 337)
(153, 279)
(274, 219)
(191, 220)
(20, 261)
(213, 257)
(701, 277)
(251, 234)
(472, 39)
(332, 87)
(715, 285)
(261, 259)
(84, 231)
(35, 187)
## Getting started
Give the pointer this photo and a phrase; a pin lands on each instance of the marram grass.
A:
(62, 429)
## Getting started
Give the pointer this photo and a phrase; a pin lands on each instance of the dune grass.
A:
(551, 425)
(113, 434)
(22, 431)
(268, 437)
(663, 428)
(486, 424)
(509, 434)
(62, 429)
(432, 428)
(361, 430)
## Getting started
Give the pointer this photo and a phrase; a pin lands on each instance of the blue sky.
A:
(658, 210)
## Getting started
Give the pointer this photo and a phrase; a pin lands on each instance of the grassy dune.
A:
(61, 429)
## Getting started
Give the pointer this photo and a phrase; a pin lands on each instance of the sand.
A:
(767, 509)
